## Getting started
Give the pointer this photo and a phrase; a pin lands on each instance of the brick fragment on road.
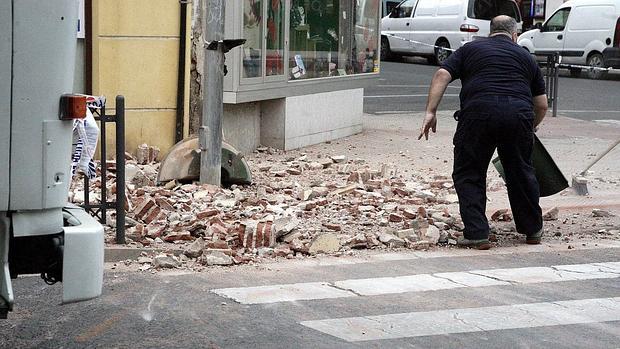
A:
(194, 250)
(391, 241)
(339, 159)
(211, 257)
(597, 212)
(165, 261)
(502, 215)
(551, 215)
(325, 243)
(333, 226)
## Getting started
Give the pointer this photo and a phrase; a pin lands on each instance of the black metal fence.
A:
(100, 210)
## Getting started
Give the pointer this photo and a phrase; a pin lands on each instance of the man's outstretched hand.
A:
(429, 123)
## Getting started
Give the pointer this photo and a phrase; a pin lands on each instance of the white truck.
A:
(39, 233)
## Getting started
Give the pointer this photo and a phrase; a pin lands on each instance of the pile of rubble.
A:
(298, 205)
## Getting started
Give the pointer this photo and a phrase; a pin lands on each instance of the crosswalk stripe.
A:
(283, 293)
(419, 283)
(452, 321)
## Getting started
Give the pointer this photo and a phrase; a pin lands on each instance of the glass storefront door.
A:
(330, 38)
(263, 29)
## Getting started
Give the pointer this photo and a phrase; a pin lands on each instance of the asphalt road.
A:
(390, 300)
(403, 87)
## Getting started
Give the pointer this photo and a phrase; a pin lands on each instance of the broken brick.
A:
(207, 213)
(183, 235)
(333, 226)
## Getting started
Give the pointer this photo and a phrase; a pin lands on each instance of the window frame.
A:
(545, 27)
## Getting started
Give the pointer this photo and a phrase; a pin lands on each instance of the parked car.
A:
(580, 30)
(611, 55)
(429, 27)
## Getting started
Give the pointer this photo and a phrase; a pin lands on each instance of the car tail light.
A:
(72, 107)
(469, 28)
(617, 35)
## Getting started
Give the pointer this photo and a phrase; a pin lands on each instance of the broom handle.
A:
(599, 157)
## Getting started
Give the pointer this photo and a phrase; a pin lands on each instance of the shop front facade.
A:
(299, 78)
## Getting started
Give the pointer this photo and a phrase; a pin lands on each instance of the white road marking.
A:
(414, 95)
(400, 284)
(608, 121)
(416, 86)
(398, 112)
(419, 283)
(451, 321)
(588, 111)
(283, 293)
(551, 274)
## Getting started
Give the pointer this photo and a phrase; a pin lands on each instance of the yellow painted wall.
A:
(135, 54)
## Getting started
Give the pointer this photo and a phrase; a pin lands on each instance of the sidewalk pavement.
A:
(572, 143)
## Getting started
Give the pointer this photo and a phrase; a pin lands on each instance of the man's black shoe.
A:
(482, 244)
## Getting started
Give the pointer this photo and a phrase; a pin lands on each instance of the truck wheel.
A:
(595, 60)
(441, 54)
(386, 53)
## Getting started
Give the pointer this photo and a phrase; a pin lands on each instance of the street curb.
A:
(114, 254)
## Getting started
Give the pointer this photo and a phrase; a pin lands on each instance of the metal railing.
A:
(552, 72)
(100, 210)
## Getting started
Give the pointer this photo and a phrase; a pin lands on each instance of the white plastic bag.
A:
(85, 137)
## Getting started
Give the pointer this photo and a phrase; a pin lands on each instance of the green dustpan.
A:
(550, 178)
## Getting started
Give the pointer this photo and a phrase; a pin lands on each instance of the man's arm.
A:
(540, 109)
(440, 82)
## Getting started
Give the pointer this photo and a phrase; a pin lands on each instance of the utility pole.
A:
(210, 133)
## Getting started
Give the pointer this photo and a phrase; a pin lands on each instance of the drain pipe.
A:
(180, 117)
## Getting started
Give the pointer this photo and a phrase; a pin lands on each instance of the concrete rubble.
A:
(300, 205)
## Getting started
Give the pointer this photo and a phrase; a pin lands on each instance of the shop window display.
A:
(333, 38)
(366, 38)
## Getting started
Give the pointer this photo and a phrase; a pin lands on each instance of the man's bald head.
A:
(505, 25)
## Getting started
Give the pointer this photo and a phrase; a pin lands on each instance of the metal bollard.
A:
(120, 169)
(104, 166)
(556, 76)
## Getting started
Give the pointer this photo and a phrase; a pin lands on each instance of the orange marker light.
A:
(72, 107)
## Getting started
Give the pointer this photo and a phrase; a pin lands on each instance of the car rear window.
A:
(487, 9)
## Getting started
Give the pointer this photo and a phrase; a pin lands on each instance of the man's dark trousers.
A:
(504, 123)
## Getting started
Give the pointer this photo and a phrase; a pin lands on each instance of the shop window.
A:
(332, 38)
(275, 38)
(366, 38)
(253, 33)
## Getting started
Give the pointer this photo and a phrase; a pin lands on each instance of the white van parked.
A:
(429, 26)
(580, 30)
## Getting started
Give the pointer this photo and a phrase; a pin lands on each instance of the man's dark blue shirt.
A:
(495, 66)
